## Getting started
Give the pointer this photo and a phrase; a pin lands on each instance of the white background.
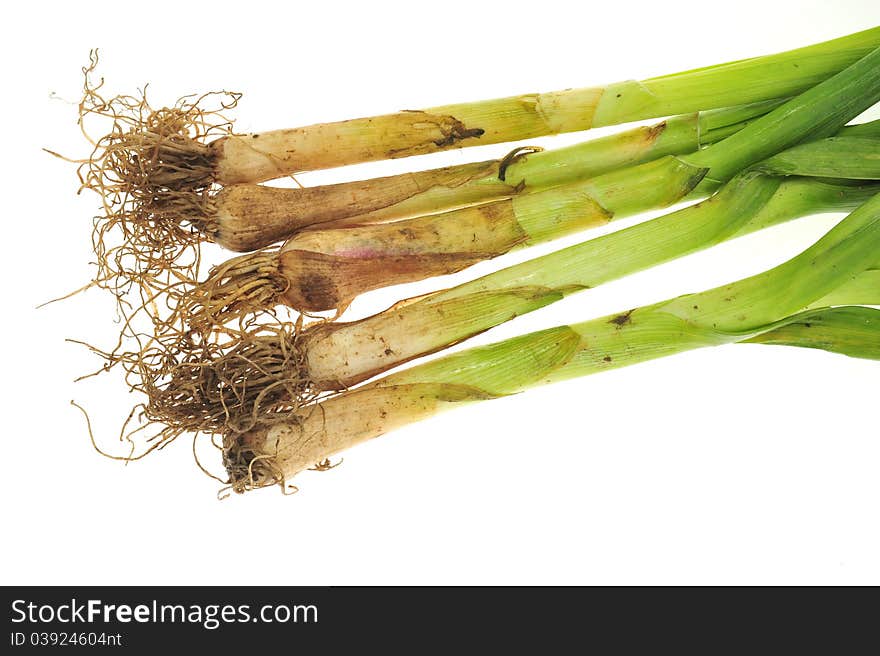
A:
(743, 464)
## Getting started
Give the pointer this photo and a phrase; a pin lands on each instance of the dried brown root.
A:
(250, 284)
(212, 382)
(235, 382)
(257, 381)
(228, 384)
(154, 171)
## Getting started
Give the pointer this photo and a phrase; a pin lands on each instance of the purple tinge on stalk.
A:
(327, 269)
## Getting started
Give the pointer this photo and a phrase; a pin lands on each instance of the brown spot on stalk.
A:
(451, 130)
(655, 131)
(319, 282)
(318, 291)
(457, 132)
(622, 319)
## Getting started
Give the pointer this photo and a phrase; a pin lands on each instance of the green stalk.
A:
(818, 112)
(326, 269)
(870, 129)
(852, 331)
(246, 217)
(349, 353)
(822, 158)
(865, 287)
(282, 152)
(336, 355)
(157, 171)
(732, 312)
(728, 314)
(247, 382)
(674, 136)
